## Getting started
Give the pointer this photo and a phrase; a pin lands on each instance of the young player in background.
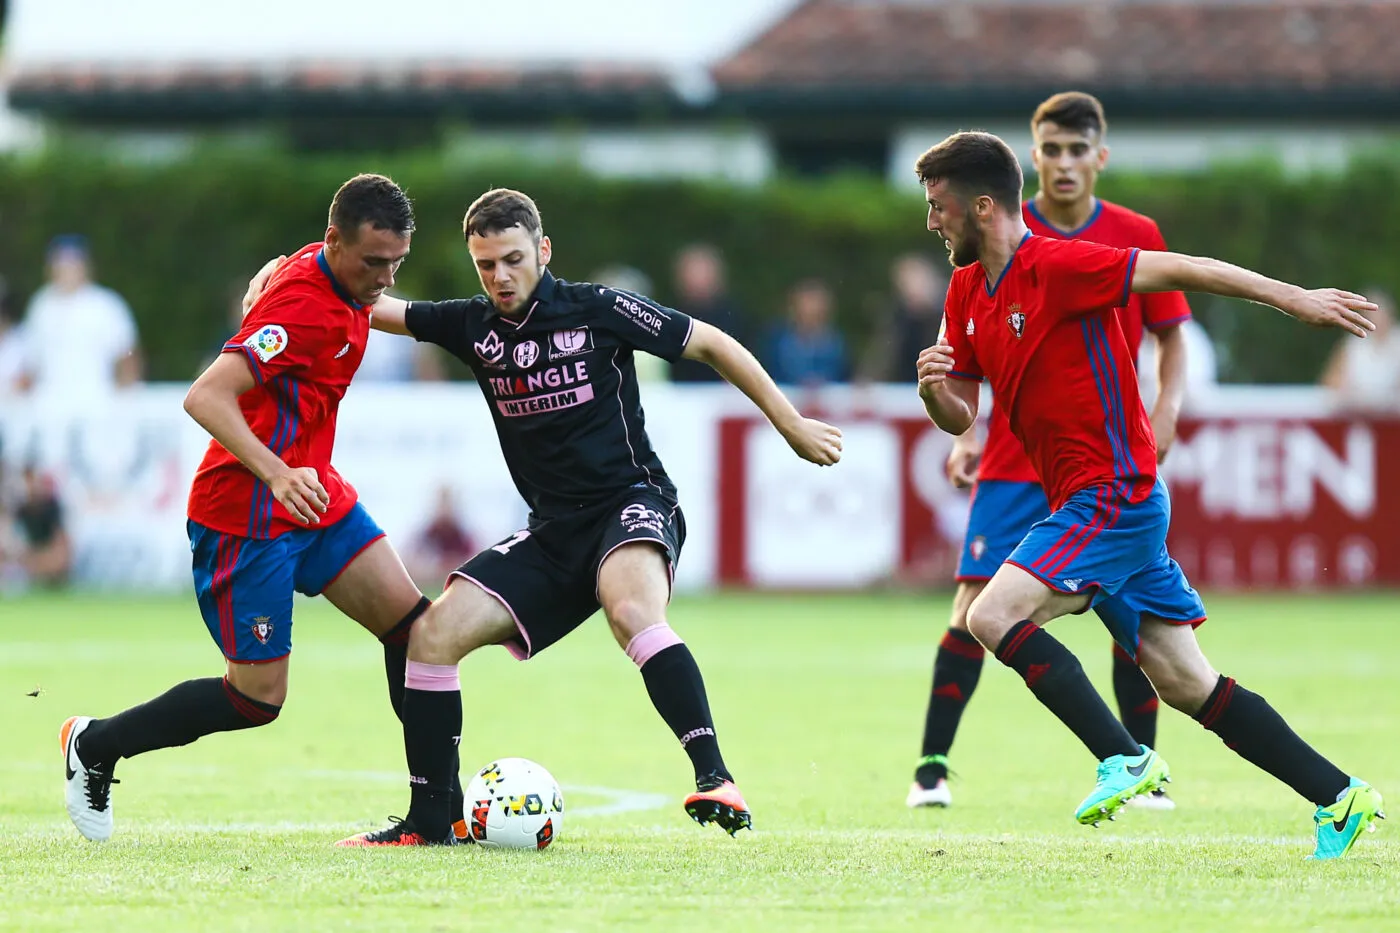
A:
(1069, 152)
(1037, 317)
(268, 513)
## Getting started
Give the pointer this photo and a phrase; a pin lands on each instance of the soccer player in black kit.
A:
(554, 361)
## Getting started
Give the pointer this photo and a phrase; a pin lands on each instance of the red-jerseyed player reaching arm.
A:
(1036, 317)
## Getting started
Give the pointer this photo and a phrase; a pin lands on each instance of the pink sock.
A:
(651, 640)
(437, 678)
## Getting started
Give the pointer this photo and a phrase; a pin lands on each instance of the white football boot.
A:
(87, 792)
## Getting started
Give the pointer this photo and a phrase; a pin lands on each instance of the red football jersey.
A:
(303, 340)
(1113, 225)
(1047, 335)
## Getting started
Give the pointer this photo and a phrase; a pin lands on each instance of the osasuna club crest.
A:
(262, 628)
(1017, 320)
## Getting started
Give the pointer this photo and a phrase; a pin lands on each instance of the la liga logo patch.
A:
(267, 342)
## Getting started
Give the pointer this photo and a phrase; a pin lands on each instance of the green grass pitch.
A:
(819, 704)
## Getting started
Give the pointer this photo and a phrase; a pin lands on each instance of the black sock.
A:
(1252, 729)
(177, 717)
(395, 643)
(677, 691)
(1058, 681)
(1137, 699)
(432, 729)
(956, 670)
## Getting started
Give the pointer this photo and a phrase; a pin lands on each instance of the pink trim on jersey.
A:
(436, 678)
(650, 641)
(512, 646)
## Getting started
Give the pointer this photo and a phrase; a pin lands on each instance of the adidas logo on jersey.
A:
(969, 328)
(343, 350)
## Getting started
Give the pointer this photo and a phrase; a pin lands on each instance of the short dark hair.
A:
(372, 199)
(1074, 110)
(500, 209)
(974, 164)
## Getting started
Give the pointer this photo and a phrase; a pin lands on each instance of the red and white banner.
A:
(1270, 487)
(1268, 501)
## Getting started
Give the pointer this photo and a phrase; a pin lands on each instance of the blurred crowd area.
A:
(74, 339)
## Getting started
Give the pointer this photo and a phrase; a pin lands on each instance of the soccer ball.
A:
(514, 803)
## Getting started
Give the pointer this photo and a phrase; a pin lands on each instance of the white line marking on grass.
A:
(617, 799)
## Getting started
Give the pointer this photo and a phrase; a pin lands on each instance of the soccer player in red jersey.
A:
(1069, 153)
(268, 513)
(1037, 317)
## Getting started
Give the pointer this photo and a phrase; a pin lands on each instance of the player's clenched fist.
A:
(934, 365)
(301, 493)
(815, 441)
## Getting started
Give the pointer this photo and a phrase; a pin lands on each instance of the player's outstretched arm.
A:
(812, 440)
(213, 402)
(1322, 307)
(390, 315)
(951, 403)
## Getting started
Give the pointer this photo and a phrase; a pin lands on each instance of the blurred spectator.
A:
(808, 350)
(1202, 367)
(12, 354)
(1366, 372)
(35, 547)
(701, 292)
(649, 368)
(440, 547)
(910, 325)
(80, 337)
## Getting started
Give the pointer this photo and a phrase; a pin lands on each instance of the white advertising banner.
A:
(1271, 488)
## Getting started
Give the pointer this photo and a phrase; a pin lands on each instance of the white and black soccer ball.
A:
(514, 803)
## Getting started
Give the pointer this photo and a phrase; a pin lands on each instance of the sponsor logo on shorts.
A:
(267, 342)
(977, 547)
(637, 516)
(491, 349)
(564, 343)
(648, 317)
(526, 353)
(1073, 584)
(262, 628)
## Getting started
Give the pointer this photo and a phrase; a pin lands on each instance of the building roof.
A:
(124, 92)
(948, 54)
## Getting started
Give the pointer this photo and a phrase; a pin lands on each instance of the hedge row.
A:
(178, 239)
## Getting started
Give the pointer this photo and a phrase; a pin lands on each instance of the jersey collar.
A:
(1067, 234)
(544, 293)
(339, 289)
(993, 286)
